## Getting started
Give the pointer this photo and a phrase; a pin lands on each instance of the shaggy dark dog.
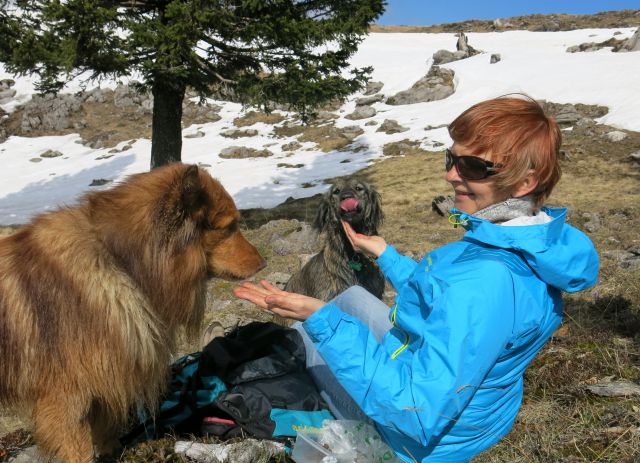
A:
(93, 296)
(338, 266)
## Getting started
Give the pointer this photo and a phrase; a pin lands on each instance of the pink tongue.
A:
(349, 204)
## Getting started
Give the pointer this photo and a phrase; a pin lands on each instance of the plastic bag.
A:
(356, 439)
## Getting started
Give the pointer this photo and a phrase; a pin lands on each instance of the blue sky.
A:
(427, 12)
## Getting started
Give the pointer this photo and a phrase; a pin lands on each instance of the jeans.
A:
(371, 311)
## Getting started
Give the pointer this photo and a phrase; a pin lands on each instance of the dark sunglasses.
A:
(469, 167)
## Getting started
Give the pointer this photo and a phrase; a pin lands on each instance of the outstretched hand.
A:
(288, 305)
(372, 246)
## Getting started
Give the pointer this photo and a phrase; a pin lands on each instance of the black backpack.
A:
(251, 383)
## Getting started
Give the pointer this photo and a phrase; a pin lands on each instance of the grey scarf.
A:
(511, 208)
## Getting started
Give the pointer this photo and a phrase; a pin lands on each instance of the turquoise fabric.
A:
(289, 422)
(446, 382)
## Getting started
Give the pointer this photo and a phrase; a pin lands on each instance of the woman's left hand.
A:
(277, 301)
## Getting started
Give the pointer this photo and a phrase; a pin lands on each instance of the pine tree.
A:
(293, 52)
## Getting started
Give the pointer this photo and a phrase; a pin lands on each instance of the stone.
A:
(436, 85)
(389, 126)
(495, 57)
(243, 152)
(615, 389)
(239, 133)
(369, 100)
(361, 112)
(616, 136)
(373, 87)
(51, 154)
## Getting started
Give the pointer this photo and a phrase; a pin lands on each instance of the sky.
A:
(428, 12)
(535, 63)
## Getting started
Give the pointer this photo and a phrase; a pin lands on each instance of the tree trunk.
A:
(166, 128)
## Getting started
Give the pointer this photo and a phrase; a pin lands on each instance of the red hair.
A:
(516, 133)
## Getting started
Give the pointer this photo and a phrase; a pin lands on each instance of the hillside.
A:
(534, 22)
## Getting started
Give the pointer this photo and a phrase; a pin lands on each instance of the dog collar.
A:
(353, 265)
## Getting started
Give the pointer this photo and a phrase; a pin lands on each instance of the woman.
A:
(441, 373)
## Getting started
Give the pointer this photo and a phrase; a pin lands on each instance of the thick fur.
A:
(92, 296)
(329, 272)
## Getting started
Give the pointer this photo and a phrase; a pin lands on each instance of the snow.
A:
(535, 63)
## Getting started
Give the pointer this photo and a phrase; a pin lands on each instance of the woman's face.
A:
(472, 195)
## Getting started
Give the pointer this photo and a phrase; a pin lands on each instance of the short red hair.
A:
(518, 135)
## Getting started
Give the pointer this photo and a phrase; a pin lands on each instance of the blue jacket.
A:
(446, 382)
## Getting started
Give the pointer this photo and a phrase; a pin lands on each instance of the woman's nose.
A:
(452, 175)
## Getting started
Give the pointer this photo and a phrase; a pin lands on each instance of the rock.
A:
(632, 43)
(197, 134)
(7, 95)
(238, 133)
(50, 112)
(373, 87)
(616, 136)
(242, 152)
(6, 83)
(369, 123)
(593, 224)
(401, 148)
(446, 56)
(100, 182)
(293, 146)
(294, 238)
(350, 132)
(463, 45)
(361, 112)
(436, 85)
(369, 100)
(35, 160)
(389, 126)
(495, 57)
(51, 154)
(635, 156)
(325, 116)
(567, 115)
(615, 389)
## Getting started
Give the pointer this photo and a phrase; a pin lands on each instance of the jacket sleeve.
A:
(419, 392)
(396, 267)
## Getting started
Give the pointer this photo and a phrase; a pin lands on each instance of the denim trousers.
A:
(371, 311)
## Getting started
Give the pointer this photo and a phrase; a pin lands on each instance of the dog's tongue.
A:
(349, 204)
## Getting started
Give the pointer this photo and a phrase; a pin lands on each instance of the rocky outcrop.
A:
(436, 85)
(463, 50)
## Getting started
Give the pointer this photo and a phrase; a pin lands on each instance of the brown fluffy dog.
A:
(337, 266)
(92, 296)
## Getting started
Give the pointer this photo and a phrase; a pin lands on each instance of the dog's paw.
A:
(442, 205)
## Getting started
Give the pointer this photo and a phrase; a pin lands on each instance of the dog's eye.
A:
(336, 191)
(359, 188)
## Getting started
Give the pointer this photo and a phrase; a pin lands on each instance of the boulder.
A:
(389, 126)
(436, 85)
(361, 112)
(242, 152)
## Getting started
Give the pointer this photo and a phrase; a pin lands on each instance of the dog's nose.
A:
(347, 194)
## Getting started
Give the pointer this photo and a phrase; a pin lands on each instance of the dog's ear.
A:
(193, 201)
(323, 215)
(373, 216)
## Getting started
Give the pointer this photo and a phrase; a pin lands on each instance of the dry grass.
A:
(253, 117)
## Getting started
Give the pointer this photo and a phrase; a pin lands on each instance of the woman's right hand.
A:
(372, 246)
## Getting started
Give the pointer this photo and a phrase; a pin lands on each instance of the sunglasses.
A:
(469, 167)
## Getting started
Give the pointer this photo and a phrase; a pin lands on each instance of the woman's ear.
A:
(526, 185)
